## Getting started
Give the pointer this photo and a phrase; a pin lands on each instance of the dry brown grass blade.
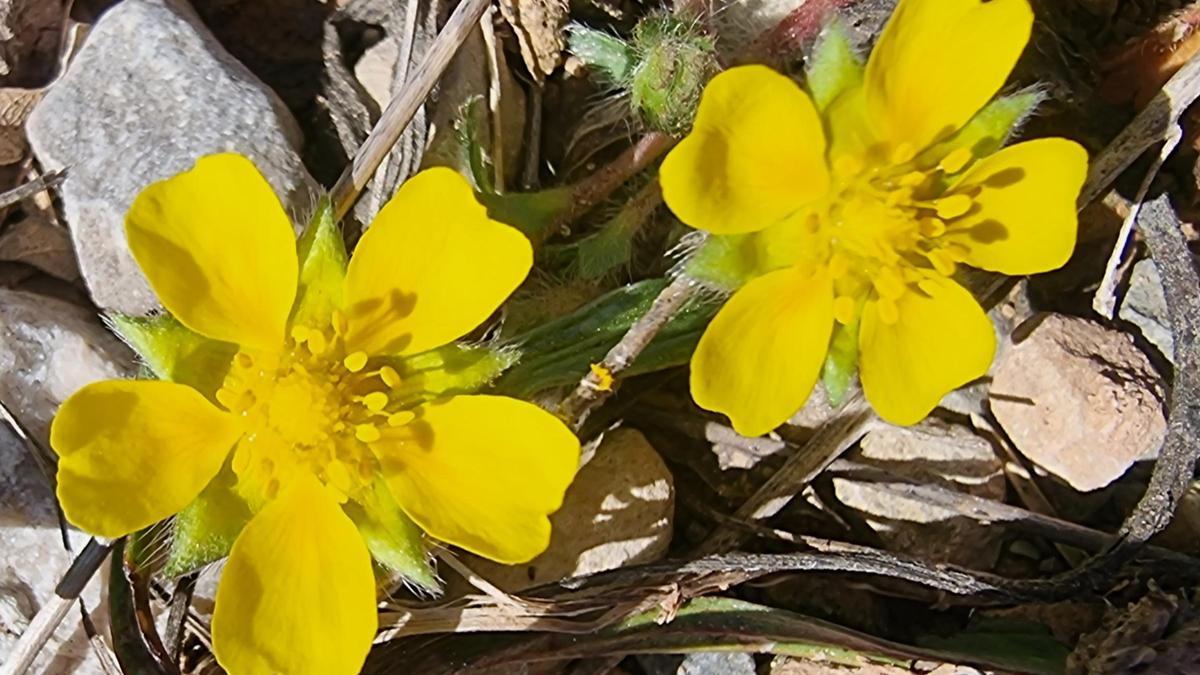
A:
(401, 109)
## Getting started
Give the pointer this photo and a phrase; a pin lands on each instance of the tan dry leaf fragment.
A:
(539, 25)
(15, 105)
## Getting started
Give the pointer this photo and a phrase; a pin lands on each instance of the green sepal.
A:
(833, 66)
(841, 362)
(449, 370)
(989, 129)
(322, 255)
(609, 55)
(559, 352)
(207, 527)
(174, 352)
(533, 213)
(395, 541)
(727, 262)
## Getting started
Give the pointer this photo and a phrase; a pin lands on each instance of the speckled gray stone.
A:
(150, 92)
(1145, 306)
(48, 349)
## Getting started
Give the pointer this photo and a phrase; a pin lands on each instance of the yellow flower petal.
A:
(482, 473)
(941, 340)
(1024, 220)
(298, 592)
(134, 452)
(938, 62)
(756, 153)
(759, 358)
(218, 250)
(431, 268)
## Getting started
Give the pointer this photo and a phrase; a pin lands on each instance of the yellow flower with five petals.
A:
(329, 445)
(856, 215)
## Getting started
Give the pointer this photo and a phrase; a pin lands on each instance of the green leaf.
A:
(1009, 644)
(322, 254)
(989, 129)
(833, 66)
(174, 352)
(841, 362)
(394, 540)
(206, 529)
(559, 352)
(450, 370)
(611, 56)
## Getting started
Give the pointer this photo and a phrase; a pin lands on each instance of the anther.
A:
(244, 360)
(317, 343)
(903, 153)
(300, 333)
(367, 433)
(941, 262)
(956, 160)
(932, 227)
(952, 206)
(912, 179)
(389, 376)
(847, 166)
(339, 322)
(844, 309)
(375, 401)
(355, 362)
(401, 418)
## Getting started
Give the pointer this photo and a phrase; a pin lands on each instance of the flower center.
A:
(881, 229)
(312, 407)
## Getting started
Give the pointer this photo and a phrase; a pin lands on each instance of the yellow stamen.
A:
(953, 206)
(845, 309)
(401, 418)
(932, 227)
(375, 401)
(389, 376)
(317, 343)
(889, 283)
(367, 433)
(956, 160)
(355, 362)
(941, 262)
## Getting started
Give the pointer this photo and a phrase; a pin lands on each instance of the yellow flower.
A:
(316, 422)
(861, 211)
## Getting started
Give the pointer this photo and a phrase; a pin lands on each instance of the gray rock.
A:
(32, 558)
(617, 512)
(1078, 399)
(150, 92)
(700, 663)
(48, 349)
(1145, 306)
(937, 453)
